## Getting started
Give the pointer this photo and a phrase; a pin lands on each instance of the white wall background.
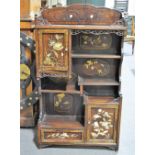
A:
(108, 3)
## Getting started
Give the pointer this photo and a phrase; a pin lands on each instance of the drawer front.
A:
(103, 123)
(58, 135)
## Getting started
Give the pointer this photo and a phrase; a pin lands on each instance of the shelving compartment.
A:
(92, 68)
(96, 42)
(63, 117)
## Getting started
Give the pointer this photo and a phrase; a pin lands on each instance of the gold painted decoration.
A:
(89, 41)
(63, 102)
(63, 135)
(96, 67)
(101, 124)
(24, 71)
(56, 52)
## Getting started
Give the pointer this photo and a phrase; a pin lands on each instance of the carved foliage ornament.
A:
(101, 124)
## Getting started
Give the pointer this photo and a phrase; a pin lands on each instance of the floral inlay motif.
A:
(96, 67)
(101, 124)
(61, 135)
(63, 102)
(96, 41)
(56, 52)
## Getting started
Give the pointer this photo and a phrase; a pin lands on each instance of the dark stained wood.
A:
(68, 112)
(78, 14)
(96, 82)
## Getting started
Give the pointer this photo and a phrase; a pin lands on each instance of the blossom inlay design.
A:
(101, 124)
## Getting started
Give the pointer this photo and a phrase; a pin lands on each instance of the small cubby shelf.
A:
(97, 82)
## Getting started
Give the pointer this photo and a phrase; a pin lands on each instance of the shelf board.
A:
(59, 91)
(96, 56)
(58, 121)
(97, 82)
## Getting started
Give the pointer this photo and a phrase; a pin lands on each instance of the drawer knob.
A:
(89, 122)
(91, 16)
(70, 16)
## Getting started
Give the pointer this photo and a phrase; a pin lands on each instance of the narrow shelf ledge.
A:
(96, 56)
(60, 91)
(97, 82)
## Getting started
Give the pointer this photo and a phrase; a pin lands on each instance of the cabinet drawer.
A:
(61, 135)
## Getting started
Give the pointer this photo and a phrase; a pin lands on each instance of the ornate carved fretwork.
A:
(98, 32)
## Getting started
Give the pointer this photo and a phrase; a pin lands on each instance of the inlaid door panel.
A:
(102, 123)
(53, 52)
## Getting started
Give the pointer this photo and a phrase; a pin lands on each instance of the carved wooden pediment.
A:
(79, 14)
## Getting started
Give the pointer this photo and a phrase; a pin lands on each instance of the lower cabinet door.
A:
(103, 123)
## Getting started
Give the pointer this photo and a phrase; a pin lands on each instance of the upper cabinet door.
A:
(103, 123)
(53, 52)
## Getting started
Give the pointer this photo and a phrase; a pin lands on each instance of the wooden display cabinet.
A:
(79, 56)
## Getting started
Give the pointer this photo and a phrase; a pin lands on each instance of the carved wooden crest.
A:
(78, 14)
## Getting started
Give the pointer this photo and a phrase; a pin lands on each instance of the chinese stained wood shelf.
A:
(78, 64)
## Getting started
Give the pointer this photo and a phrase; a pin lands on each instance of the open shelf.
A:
(96, 56)
(97, 82)
(61, 122)
(59, 91)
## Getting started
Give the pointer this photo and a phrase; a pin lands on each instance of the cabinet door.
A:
(53, 52)
(102, 123)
